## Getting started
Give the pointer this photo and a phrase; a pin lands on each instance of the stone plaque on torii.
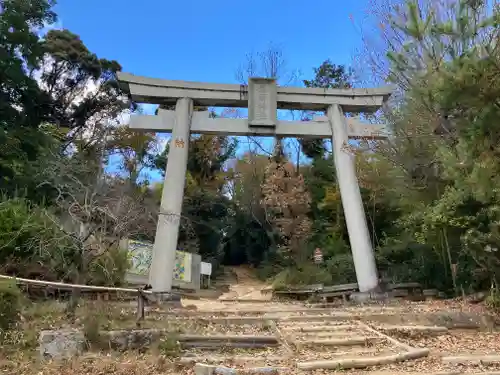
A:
(263, 98)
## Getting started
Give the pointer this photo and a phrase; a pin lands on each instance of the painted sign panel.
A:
(182, 268)
(140, 256)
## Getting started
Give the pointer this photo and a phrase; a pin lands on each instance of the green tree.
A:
(85, 95)
(21, 51)
(326, 76)
(135, 150)
(248, 240)
(23, 106)
(328, 230)
(442, 151)
(287, 204)
(53, 151)
(206, 215)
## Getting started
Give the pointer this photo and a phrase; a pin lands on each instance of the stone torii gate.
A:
(263, 97)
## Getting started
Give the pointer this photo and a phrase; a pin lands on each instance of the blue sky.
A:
(197, 40)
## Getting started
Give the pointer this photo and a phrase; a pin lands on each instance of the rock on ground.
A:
(61, 344)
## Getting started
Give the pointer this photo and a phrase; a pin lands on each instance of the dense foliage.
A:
(431, 191)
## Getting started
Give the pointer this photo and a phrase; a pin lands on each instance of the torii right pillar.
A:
(359, 236)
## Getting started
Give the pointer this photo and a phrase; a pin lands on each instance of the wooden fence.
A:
(139, 292)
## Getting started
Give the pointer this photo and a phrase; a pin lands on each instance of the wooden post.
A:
(140, 307)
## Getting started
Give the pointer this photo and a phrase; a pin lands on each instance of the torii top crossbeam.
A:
(161, 91)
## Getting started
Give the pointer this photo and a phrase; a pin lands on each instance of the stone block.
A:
(165, 300)
(398, 293)
(364, 297)
(132, 339)
(61, 344)
(430, 292)
(267, 371)
(203, 369)
(221, 370)
(461, 320)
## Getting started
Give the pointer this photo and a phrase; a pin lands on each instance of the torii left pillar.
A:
(167, 230)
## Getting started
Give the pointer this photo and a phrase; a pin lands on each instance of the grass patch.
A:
(169, 346)
(10, 305)
(493, 300)
(267, 325)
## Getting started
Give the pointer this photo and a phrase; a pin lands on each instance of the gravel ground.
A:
(140, 365)
(452, 343)
(129, 364)
(460, 343)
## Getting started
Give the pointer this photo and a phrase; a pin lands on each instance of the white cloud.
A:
(87, 89)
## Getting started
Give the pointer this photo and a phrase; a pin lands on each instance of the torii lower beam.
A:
(202, 123)
(184, 121)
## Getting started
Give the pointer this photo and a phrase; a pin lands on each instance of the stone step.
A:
(322, 328)
(319, 322)
(413, 330)
(205, 369)
(206, 345)
(227, 338)
(351, 341)
(255, 360)
(359, 351)
(362, 362)
(324, 335)
(473, 359)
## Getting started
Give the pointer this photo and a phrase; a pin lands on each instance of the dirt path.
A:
(247, 286)
(244, 295)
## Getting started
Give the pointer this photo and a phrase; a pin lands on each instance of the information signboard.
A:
(318, 256)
